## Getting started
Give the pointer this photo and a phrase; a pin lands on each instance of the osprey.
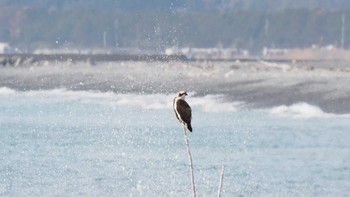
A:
(183, 110)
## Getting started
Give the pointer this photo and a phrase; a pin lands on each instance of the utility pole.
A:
(266, 32)
(342, 39)
(104, 39)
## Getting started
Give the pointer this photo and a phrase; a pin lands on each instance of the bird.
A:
(183, 110)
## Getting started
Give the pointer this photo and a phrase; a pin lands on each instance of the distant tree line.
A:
(185, 5)
(31, 28)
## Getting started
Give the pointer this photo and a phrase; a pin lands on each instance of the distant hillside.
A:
(159, 24)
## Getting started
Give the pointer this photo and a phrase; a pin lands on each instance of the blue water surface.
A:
(54, 146)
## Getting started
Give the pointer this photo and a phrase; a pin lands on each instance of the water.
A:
(87, 143)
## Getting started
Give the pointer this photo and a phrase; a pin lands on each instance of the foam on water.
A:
(6, 91)
(208, 103)
(302, 110)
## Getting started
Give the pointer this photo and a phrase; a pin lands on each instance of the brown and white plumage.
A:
(182, 110)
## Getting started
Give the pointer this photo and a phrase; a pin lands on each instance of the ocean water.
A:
(59, 142)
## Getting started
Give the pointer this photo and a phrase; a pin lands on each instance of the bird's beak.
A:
(186, 94)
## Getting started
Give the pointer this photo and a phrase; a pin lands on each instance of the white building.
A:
(5, 48)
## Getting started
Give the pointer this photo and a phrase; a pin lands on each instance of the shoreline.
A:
(258, 84)
(27, 58)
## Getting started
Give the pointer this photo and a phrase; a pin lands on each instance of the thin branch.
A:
(191, 164)
(221, 181)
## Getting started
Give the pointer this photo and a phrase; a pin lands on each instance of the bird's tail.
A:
(189, 127)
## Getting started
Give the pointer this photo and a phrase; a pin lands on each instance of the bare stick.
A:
(221, 181)
(191, 164)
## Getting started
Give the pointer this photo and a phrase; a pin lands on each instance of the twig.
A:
(191, 164)
(221, 181)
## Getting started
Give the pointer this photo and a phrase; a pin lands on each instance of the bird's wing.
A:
(184, 111)
(175, 109)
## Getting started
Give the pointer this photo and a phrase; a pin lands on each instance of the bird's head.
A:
(182, 94)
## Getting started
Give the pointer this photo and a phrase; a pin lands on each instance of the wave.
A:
(208, 103)
(215, 103)
(303, 110)
(6, 91)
